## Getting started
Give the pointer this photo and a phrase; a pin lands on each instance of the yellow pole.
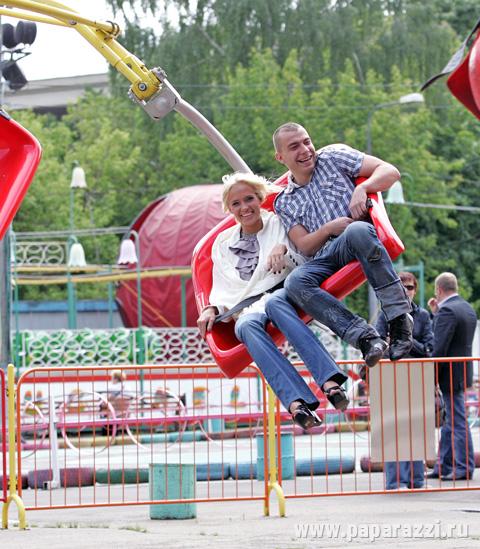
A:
(272, 457)
(12, 491)
(61, 12)
(101, 35)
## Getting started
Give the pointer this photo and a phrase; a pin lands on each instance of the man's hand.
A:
(433, 305)
(276, 259)
(205, 320)
(337, 226)
(358, 203)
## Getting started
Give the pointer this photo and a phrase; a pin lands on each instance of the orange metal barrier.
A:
(109, 433)
(340, 463)
(83, 440)
(3, 442)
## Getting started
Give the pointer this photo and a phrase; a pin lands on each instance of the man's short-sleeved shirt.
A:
(327, 196)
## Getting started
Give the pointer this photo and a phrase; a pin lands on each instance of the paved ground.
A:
(406, 517)
(410, 519)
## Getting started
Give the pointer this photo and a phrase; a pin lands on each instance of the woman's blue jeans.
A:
(282, 376)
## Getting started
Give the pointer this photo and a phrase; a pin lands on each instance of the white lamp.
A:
(395, 194)
(78, 178)
(128, 254)
(76, 257)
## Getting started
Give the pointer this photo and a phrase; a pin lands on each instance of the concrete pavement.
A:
(407, 518)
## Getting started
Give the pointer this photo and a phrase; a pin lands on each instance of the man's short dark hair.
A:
(287, 127)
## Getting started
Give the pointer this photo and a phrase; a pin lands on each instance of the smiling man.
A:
(326, 217)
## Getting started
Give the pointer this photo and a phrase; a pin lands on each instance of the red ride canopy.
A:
(168, 230)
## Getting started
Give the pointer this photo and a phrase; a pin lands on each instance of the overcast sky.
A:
(61, 51)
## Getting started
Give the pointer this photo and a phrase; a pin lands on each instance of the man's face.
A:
(296, 151)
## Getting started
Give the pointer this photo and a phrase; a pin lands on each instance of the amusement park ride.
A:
(149, 88)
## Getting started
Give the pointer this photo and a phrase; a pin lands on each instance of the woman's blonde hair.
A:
(259, 184)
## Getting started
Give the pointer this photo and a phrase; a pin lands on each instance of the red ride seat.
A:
(464, 82)
(229, 353)
(20, 154)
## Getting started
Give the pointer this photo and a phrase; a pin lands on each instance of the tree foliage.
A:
(250, 66)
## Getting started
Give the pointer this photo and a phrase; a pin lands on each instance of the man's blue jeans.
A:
(407, 473)
(456, 451)
(358, 241)
(282, 376)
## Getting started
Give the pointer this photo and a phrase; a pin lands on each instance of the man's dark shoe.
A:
(401, 339)
(432, 475)
(373, 349)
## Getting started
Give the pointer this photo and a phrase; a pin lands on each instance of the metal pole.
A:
(52, 433)
(5, 350)
(183, 295)
(71, 297)
(16, 301)
(422, 283)
(184, 301)
(139, 332)
(110, 301)
(72, 211)
(4, 265)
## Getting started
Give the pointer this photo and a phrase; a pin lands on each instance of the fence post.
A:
(52, 433)
(272, 457)
(12, 492)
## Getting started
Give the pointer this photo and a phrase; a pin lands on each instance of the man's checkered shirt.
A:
(327, 196)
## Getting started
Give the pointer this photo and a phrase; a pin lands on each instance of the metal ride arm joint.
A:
(149, 88)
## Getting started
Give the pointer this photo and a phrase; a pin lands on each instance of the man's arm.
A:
(380, 176)
(443, 331)
(310, 243)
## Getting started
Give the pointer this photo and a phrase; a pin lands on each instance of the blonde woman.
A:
(251, 259)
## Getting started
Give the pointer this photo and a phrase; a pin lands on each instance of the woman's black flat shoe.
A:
(305, 417)
(337, 397)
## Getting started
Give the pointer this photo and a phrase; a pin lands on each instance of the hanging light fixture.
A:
(128, 254)
(76, 256)
(78, 178)
(395, 194)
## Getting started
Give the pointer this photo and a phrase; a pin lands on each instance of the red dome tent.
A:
(168, 230)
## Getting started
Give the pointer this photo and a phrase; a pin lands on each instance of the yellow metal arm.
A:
(101, 36)
(149, 88)
(61, 12)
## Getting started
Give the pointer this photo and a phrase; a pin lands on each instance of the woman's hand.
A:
(276, 259)
(205, 320)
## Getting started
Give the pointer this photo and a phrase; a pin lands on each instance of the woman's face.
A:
(410, 288)
(244, 204)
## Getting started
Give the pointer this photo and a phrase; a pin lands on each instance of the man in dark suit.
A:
(454, 324)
